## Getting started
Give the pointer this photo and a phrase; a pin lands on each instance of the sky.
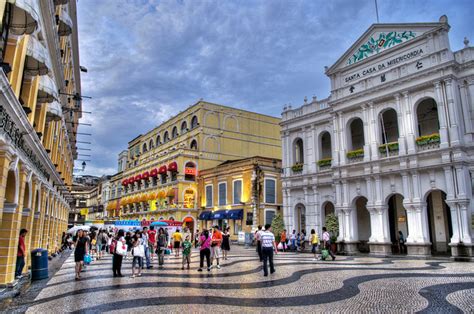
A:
(148, 60)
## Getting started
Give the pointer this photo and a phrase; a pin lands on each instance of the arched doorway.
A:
(188, 222)
(300, 218)
(439, 222)
(397, 218)
(363, 224)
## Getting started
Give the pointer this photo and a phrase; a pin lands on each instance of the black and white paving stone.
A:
(300, 284)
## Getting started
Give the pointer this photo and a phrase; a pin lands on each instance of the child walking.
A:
(187, 251)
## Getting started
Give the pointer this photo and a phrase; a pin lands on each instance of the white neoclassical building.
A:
(391, 149)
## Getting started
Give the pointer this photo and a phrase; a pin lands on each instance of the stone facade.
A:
(391, 148)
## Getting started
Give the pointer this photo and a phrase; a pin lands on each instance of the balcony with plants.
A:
(427, 142)
(325, 163)
(389, 149)
(355, 155)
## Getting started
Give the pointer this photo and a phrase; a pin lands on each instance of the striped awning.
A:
(47, 90)
(25, 17)
(37, 58)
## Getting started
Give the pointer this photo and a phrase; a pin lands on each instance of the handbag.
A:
(139, 251)
(324, 254)
(280, 246)
(121, 249)
(87, 259)
(167, 251)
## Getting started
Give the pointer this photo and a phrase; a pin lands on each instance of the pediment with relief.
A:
(382, 37)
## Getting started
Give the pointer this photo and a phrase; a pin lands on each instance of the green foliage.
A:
(278, 225)
(355, 153)
(297, 167)
(428, 139)
(332, 225)
(392, 147)
(324, 162)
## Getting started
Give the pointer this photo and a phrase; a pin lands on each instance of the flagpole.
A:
(377, 11)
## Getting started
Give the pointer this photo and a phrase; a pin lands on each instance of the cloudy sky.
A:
(149, 59)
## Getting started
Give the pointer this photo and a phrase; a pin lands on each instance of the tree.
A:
(278, 225)
(332, 225)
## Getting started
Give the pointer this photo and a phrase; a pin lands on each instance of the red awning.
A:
(173, 167)
(154, 172)
(146, 175)
(138, 177)
(131, 180)
(162, 170)
(188, 219)
(125, 182)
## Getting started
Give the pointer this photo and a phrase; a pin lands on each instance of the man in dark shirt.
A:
(20, 257)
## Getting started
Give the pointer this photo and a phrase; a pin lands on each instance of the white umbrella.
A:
(74, 229)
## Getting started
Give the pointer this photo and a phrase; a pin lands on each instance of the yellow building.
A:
(240, 194)
(161, 167)
(40, 105)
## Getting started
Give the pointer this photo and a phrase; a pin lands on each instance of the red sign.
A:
(190, 171)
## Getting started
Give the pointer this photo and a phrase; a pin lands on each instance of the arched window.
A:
(194, 122)
(166, 137)
(298, 154)
(151, 145)
(184, 127)
(158, 141)
(190, 171)
(144, 149)
(357, 134)
(427, 115)
(174, 133)
(194, 145)
(326, 150)
(389, 126)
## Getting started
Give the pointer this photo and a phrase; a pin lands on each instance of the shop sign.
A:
(383, 65)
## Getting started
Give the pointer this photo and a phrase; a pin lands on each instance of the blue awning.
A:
(236, 214)
(206, 215)
(219, 214)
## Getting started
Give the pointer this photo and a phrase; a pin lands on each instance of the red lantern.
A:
(138, 177)
(145, 175)
(125, 182)
(173, 167)
(162, 170)
(154, 172)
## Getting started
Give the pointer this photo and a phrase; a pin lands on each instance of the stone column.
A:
(318, 223)
(402, 149)
(409, 124)
(418, 239)
(336, 141)
(367, 136)
(343, 140)
(442, 116)
(373, 123)
(466, 113)
(454, 125)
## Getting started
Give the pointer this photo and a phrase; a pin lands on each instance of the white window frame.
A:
(265, 189)
(212, 196)
(241, 190)
(219, 194)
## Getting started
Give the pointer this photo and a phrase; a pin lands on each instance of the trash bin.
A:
(39, 264)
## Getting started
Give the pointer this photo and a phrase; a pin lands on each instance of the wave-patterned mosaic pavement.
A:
(349, 284)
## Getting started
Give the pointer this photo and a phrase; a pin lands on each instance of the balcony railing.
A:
(324, 163)
(389, 149)
(355, 155)
(297, 168)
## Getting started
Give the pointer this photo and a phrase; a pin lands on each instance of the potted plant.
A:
(326, 162)
(332, 225)
(354, 154)
(298, 167)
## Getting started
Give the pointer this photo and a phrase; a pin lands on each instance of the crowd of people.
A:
(141, 247)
